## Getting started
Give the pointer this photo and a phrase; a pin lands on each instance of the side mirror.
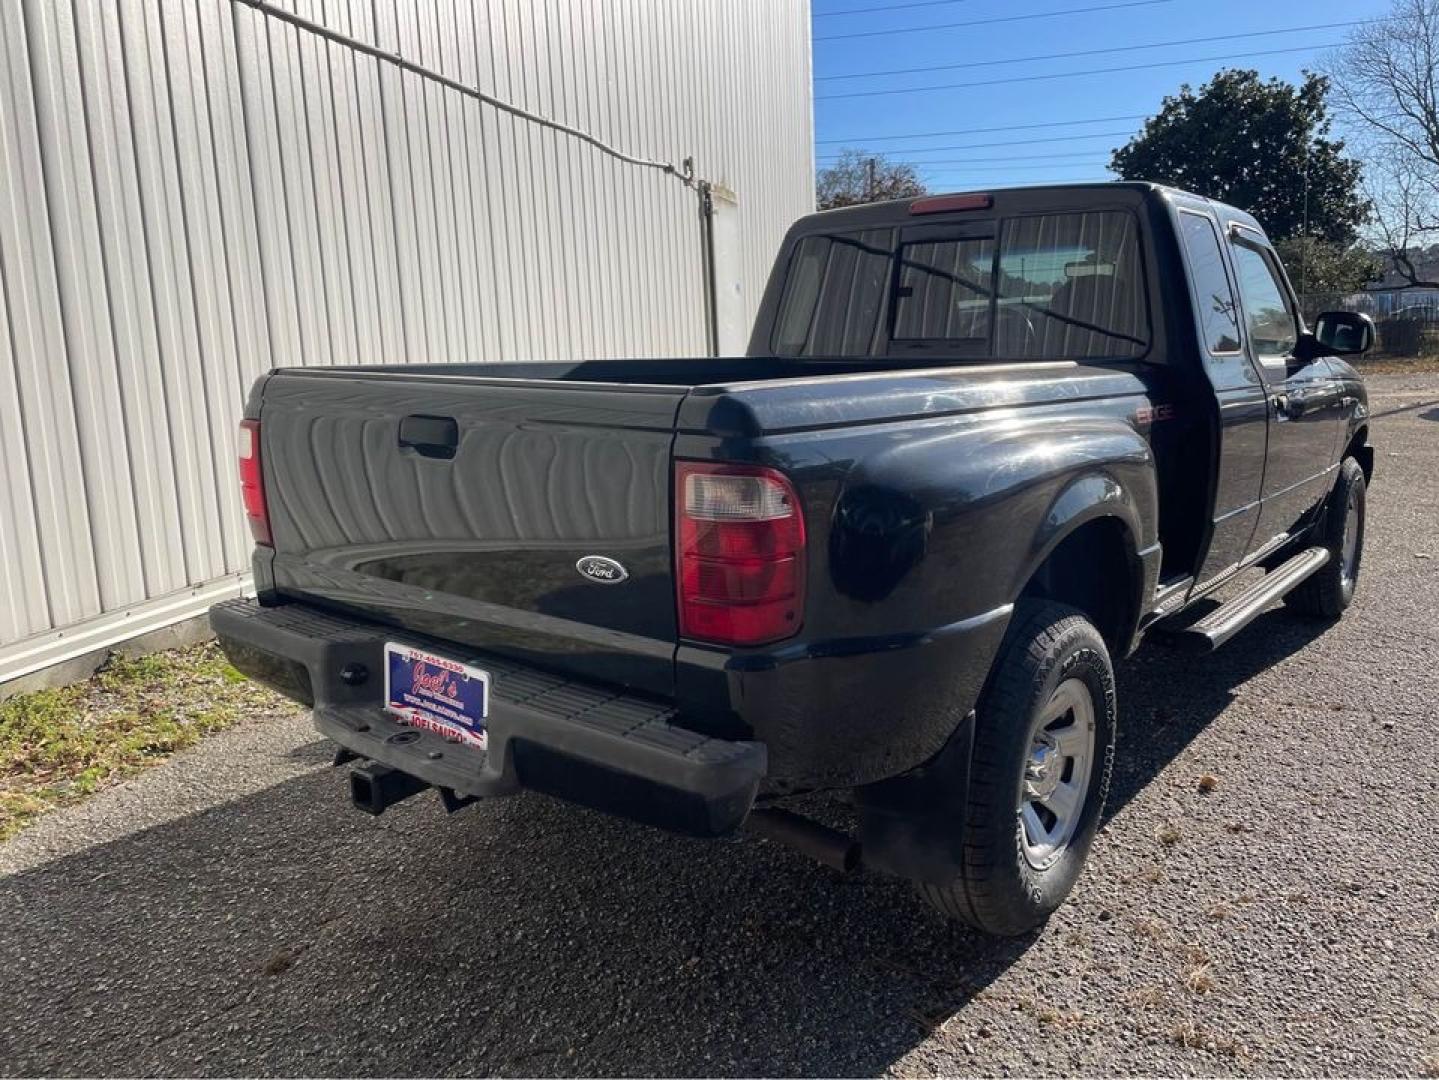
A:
(1343, 333)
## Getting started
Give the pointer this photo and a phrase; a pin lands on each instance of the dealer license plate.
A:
(436, 693)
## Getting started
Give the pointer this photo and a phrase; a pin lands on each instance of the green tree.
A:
(1260, 145)
(857, 177)
(1318, 266)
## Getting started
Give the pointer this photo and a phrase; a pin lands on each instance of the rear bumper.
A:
(588, 744)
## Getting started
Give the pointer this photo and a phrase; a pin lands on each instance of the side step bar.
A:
(1235, 614)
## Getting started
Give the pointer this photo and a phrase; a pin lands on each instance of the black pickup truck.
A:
(980, 444)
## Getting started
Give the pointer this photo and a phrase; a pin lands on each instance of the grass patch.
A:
(58, 746)
(1168, 833)
(1200, 980)
(1219, 911)
(1200, 1037)
(1050, 1015)
(1144, 998)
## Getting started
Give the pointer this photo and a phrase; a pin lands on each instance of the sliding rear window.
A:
(1062, 286)
(944, 294)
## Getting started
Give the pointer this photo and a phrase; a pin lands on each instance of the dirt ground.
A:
(1263, 898)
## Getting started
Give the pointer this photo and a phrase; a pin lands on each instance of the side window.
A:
(835, 292)
(1071, 287)
(1273, 332)
(944, 292)
(1218, 312)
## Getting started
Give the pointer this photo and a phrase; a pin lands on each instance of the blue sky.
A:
(898, 124)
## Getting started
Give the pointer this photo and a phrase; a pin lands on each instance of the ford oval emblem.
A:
(600, 569)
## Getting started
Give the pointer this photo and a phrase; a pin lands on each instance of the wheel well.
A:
(1360, 450)
(1094, 570)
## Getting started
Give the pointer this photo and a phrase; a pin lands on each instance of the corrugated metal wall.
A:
(192, 192)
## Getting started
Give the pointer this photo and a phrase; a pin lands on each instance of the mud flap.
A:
(912, 826)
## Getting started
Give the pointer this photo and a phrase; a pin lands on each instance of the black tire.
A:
(1327, 593)
(998, 889)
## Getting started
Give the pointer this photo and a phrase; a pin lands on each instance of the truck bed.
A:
(454, 502)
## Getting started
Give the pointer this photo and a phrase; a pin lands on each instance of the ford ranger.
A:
(980, 444)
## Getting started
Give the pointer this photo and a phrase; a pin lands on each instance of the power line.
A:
(992, 175)
(962, 184)
(1089, 52)
(683, 172)
(983, 130)
(1075, 74)
(940, 185)
(1080, 155)
(949, 165)
(998, 19)
(887, 7)
(1007, 142)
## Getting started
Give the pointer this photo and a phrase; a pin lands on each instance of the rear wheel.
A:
(1039, 773)
(1327, 593)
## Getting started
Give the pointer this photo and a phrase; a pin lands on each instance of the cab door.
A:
(1240, 394)
(1304, 408)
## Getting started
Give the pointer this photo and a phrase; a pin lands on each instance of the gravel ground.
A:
(1261, 900)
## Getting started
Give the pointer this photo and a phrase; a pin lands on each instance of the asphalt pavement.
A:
(1263, 898)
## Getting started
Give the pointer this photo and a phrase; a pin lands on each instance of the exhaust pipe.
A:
(835, 849)
(374, 788)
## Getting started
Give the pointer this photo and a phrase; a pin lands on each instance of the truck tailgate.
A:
(458, 507)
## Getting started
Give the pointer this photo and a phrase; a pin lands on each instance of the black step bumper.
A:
(588, 744)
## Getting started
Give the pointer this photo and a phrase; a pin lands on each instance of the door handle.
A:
(1287, 407)
(430, 436)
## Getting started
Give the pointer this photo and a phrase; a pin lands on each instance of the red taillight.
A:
(943, 204)
(739, 553)
(252, 482)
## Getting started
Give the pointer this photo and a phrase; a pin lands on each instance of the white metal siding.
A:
(192, 192)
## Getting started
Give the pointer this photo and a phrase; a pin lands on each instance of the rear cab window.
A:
(1071, 287)
(1214, 296)
(1066, 285)
(835, 294)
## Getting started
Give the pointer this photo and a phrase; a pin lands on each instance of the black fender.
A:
(1105, 472)
(923, 533)
(984, 506)
(1099, 494)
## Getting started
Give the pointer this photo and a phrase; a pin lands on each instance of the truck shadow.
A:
(282, 933)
